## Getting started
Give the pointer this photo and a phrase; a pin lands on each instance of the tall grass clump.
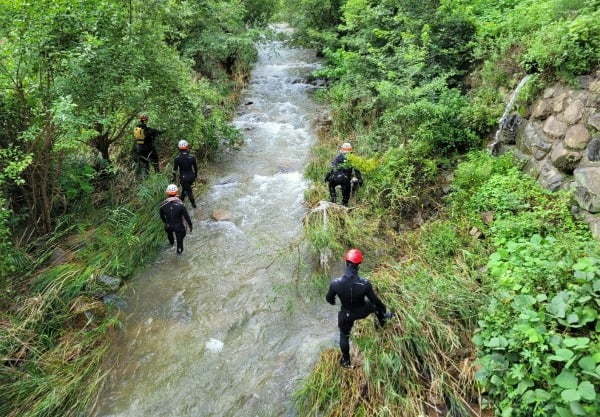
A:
(54, 340)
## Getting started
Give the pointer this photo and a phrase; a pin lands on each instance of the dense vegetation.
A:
(74, 76)
(498, 289)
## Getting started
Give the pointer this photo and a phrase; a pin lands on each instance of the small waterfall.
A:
(502, 123)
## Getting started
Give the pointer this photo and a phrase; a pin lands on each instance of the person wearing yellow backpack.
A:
(145, 151)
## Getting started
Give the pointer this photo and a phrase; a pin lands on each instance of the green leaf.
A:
(558, 304)
(587, 391)
(576, 341)
(566, 380)
(564, 412)
(570, 395)
(562, 355)
(587, 363)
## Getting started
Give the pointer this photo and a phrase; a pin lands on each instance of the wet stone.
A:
(555, 127)
(558, 103)
(221, 215)
(542, 109)
(577, 137)
(564, 159)
(532, 141)
(593, 150)
(587, 188)
(114, 300)
(550, 177)
(574, 112)
(594, 121)
(112, 283)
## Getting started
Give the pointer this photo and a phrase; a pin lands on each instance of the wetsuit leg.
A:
(332, 192)
(346, 188)
(153, 158)
(180, 236)
(142, 160)
(170, 236)
(186, 187)
(345, 323)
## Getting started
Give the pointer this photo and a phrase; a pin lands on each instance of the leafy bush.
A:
(537, 343)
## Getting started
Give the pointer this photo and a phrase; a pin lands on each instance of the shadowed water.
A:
(226, 330)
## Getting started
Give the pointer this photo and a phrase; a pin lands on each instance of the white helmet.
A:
(171, 190)
(346, 147)
(183, 144)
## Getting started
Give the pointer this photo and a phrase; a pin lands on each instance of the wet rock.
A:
(549, 92)
(587, 188)
(550, 177)
(221, 215)
(593, 150)
(574, 112)
(558, 103)
(541, 109)
(577, 137)
(594, 121)
(564, 159)
(114, 300)
(532, 168)
(112, 283)
(532, 141)
(554, 127)
(594, 224)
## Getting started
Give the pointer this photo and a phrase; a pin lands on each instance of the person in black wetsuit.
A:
(358, 301)
(185, 163)
(145, 151)
(344, 175)
(173, 213)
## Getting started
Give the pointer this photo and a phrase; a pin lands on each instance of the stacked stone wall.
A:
(559, 143)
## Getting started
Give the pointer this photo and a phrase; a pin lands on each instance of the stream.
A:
(230, 328)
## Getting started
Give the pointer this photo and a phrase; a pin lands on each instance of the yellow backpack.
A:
(139, 134)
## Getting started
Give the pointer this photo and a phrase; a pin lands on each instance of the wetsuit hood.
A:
(351, 271)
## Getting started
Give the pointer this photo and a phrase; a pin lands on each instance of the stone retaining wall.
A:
(559, 142)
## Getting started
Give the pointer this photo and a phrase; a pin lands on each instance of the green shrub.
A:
(538, 348)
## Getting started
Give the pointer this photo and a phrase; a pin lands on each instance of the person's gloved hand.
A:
(354, 180)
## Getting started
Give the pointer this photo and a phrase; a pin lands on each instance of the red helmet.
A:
(355, 256)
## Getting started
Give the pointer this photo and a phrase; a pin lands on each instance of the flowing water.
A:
(509, 106)
(227, 329)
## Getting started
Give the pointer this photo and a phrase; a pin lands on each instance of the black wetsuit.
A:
(185, 163)
(358, 301)
(173, 213)
(144, 149)
(341, 174)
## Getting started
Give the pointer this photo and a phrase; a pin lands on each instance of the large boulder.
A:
(587, 188)
(577, 137)
(541, 109)
(594, 121)
(550, 177)
(558, 103)
(532, 168)
(555, 127)
(532, 141)
(564, 159)
(593, 150)
(574, 112)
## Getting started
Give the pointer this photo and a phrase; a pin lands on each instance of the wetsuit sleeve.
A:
(186, 216)
(175, 168)
(195, 166)
(374, 299)
(163, 217)
(330, 297)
